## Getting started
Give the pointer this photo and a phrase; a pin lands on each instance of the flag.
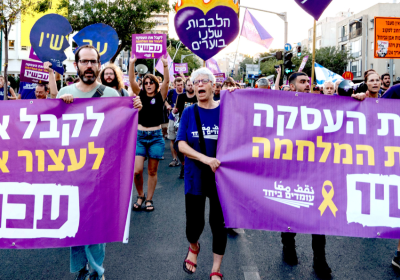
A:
(322, 75)
(212, 64)
(253, 31)
(160, 68)
(315, 8)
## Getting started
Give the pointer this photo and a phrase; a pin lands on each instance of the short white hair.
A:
(327, 82)
(203, 71)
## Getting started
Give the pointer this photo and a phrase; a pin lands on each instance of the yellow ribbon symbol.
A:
(328, 199)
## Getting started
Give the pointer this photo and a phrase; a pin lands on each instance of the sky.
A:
(299, 21)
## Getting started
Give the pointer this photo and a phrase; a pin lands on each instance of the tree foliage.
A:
(127, 17)
(192, 61)
(11, 12)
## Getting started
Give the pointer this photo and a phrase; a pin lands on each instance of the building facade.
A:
(356, 33)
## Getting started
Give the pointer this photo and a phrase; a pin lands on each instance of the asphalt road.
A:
(158, 246)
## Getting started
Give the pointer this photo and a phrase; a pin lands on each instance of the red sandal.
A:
(189, 262)
(216, 274)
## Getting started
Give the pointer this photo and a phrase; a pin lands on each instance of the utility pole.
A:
(313, 57)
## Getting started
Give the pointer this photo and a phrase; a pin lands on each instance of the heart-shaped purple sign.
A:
(206, 35)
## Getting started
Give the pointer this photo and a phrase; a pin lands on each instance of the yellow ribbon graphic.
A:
(328, 199)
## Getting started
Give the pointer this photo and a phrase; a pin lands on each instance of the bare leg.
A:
(217, 266)
(138, 177)
(152, 181)
(173, 152)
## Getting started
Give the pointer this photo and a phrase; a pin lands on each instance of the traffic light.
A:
(279, 55)
(298, 51)
(288, 64)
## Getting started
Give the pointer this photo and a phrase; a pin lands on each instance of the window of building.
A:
(371, 24)
(356, 67)
(343, 30)
(318, 30)
(343, 47)
(372, 66)
(24, 48)
(372, 46)
(11, 45)
(355, 47)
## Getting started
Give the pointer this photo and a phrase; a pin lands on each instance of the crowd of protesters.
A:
(177, 110)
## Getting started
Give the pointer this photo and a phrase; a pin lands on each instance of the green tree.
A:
(192, 61)
(247, 60)
(11, 12)
(127, 17)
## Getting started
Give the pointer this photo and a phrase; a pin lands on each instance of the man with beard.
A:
(184, 101)
(87, 64)
(217, 91)
(300, 82)
(385, 79)
(112, 77)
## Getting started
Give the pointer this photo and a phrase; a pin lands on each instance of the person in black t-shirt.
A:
(184, 101)
(385, 80)
(150, 142)
(217, 91)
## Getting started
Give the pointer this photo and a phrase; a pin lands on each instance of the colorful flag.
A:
(253, 31)
(322, 74)
(212, 64)
(160, 68)
(315, 8)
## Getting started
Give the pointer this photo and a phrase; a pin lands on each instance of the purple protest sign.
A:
(206, 28)
(315, 8)
(309, 163)
(149, 45)
(126, 80)
(33, 72)
(219, 77)
(61, 184)
(303, 63)
(32, 55)
(181, 68)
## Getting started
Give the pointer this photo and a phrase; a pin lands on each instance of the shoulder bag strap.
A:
(200, 130)
(100, 91)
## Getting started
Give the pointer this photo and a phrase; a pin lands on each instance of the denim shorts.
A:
(150, 144)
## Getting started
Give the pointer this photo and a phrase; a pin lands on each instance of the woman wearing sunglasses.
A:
(150, 142)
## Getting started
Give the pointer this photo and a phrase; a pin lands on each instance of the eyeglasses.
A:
(204, 82)
(86, 62)
(149, 83)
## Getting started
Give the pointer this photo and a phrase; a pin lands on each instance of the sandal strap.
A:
(141, 197)
(216, 274)
(196, 252)
(151, 201)
(191, 263)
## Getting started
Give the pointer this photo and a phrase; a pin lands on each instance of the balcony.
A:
(356, 54)
(356, 33)
(343, 39)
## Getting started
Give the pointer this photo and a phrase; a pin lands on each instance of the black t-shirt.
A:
(393, 92)
(217, 97)
(183, 102)
(152, 112)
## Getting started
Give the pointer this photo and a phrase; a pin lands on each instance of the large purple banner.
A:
(300, 162)
(66, 171)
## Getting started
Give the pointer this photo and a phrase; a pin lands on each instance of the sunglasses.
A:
(149, 83)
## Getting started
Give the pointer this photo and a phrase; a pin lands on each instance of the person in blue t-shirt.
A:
(200, 165)
(27, 90)
(170, 103)
(10, 91)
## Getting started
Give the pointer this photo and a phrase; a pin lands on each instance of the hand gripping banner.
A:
(307, 163)
(66, 172)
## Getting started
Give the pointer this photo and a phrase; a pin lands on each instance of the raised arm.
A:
(278, 77)
(132, 79)
(165, 84)
(52, 80)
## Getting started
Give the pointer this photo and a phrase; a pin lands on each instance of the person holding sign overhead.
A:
(150, 142)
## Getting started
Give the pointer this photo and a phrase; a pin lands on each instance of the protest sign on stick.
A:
(149, 46)
(33, 72)
(207, 28)
(181, 68)
(61, 184)
(49, 39)
(219, 77)
(309, 163)
(102, 36)
(386, 37)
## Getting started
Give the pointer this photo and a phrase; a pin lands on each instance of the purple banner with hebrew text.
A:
(307, 163)
(65, 175)
(33, 72)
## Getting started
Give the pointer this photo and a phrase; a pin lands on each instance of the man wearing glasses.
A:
(87, 64)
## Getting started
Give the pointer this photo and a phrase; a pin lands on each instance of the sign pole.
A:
(391, 71)
(313, 57)
(154, 66)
